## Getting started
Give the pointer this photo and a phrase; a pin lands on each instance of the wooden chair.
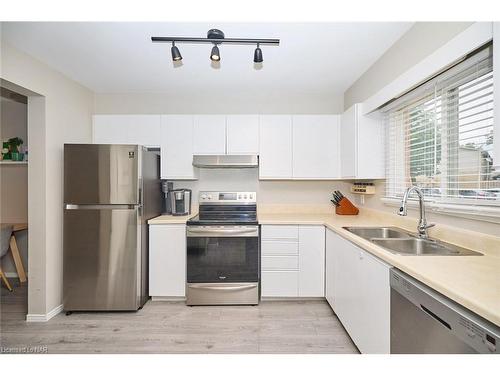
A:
(5, 280)
(15, 255)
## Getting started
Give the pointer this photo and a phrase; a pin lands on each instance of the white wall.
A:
(247, 101)
(61, 112)
(417, 43)
(283, 193)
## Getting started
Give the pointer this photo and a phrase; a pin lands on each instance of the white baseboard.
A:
(168, 299)
(44, 317)
(297, 299)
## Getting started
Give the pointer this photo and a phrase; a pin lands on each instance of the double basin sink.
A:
(401, 242)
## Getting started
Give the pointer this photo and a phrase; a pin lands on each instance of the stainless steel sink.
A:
(379, 232)
(401, 242)
(421, 246)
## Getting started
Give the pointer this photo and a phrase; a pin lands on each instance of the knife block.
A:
(346, 208)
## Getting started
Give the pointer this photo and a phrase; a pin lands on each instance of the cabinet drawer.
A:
(280, 283)
(280, 263)
(279, 248)
(276, 232)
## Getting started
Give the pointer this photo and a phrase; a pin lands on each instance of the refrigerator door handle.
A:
(100, 206)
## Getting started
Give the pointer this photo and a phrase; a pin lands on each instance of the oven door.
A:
(227, 254)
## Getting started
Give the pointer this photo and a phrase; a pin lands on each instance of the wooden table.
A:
(16, 227)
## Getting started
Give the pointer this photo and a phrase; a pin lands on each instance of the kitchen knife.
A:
(334, 202)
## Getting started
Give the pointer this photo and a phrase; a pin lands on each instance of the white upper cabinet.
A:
(177, 148)
(209, 135)
(127, 129)
(361, 145)
(315, 147)
(275, 147)
(242, 132)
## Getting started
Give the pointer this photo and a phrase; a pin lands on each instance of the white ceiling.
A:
(119, 57)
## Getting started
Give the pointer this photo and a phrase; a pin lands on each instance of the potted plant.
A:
(13, 148)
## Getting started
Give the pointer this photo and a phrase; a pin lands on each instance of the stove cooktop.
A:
(226, 208)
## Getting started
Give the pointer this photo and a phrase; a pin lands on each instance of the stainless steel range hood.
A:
(226, 161)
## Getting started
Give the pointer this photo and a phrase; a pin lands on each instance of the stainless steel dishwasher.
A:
(425, 321)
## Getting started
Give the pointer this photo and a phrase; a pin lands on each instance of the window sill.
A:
(473, 212)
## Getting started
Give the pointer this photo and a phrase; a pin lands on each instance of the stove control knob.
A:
(240, 197)
(245, 196)
(209, 197)
(251, 196)
(203, 196)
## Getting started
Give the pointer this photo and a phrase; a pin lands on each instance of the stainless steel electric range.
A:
(223, 250)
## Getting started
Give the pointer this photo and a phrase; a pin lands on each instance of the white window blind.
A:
(440, 136)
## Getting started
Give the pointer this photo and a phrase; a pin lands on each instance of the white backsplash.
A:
(268, 192)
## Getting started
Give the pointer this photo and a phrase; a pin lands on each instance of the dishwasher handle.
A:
(435, 316)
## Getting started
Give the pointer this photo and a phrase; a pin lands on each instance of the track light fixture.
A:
(257, 55)
(215, 54)
(176, 54)
(215, 37)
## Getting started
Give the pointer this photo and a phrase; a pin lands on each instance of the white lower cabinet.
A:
(293, 259)
(358, 289)
(311, 261)
(279, 283)
(167, 260)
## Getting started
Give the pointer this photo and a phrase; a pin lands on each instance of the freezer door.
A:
(101, 174)
(102, 259)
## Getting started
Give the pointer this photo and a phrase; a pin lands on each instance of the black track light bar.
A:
(170, 39)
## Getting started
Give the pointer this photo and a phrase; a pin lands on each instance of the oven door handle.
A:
(222, 287)
(222, 232)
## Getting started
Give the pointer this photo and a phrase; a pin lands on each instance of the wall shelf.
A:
(10, 162)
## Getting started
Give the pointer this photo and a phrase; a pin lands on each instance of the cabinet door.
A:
(275, 132)
(167, 260)
(375, 308)
(177, 148)
(330, 265)
(348, 144)
(311, 261)
(280, 283)
(141, 130)
(346, 289)
(209, 135)
(145, 130)
(242, 134)
(370, 146)
(361, 295)
(315, 147)
(111, 129)
(361, 145)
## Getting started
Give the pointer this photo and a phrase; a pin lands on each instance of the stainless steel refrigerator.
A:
(110, 191)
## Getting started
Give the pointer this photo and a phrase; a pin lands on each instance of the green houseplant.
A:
(12, 145)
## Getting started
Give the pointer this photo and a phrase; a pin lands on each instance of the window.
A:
(440, 136)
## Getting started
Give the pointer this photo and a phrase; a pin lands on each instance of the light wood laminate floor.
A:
(173, 327)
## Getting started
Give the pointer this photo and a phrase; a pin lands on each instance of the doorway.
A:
(14, 199)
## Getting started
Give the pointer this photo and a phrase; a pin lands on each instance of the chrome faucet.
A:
(422, 223)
